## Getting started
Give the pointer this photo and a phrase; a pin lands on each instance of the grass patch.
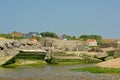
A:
(69, 63)
(97, 70)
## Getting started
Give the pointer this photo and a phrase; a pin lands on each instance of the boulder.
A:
(8, 45)
(101, 55)
(16, 44)
(2, 46)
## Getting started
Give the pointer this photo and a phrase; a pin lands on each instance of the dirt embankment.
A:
(114, 63)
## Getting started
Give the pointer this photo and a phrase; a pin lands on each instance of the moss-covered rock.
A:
(109, 58)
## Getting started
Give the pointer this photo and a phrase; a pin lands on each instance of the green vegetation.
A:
(25, 59)
(88, 60)
(85, 37)
(96, 37)
(17, 38)
(36, 37)
(8, 36)
(65, 61)
(97, 70)
(54, 35)
(49, 34)
(62, 54)
(19, 63)
(110, 53)
(30, 56)
(72, 61)
(68, 37)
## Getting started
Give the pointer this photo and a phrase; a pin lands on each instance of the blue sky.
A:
(73, 17)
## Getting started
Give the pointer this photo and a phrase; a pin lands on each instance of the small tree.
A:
(96, 37)
(8, 36)
(49, 34)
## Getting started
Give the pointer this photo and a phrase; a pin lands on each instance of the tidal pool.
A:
(50, 72)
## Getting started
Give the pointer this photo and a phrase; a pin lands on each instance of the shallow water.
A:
(52, 73)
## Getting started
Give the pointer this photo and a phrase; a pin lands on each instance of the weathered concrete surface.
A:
(9, 48)
(63, 45)
(117, 53)
(5, 56)
(101, 55)
(83, 53)
(108, 49)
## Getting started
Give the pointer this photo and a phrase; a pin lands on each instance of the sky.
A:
(72, 17)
